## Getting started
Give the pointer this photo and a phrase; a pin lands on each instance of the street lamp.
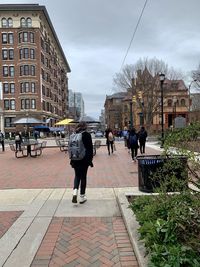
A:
(162, 78)
(190, 95)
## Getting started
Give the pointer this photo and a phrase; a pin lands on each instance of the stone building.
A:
(33, 67)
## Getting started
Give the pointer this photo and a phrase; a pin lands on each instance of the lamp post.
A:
(190, 95)
(162, 78)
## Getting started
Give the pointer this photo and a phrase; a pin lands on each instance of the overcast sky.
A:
(95, 35)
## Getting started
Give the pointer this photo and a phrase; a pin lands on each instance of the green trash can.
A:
(148, 165)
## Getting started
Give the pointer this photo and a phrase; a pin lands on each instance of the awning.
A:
(56, 129)
(42, 128)
(64, 122)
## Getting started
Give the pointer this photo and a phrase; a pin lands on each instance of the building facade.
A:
(76, 105)
(33, 67)
(140, 106)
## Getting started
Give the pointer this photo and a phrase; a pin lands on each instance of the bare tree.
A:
(143, 76)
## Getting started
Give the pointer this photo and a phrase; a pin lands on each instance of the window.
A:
(33, 104)
(182, 102)
(12, 88)
(32, 87)
(32, 70)
(5, 88)
(26, 53)
(12, 104)
(11, 54)
(8, 122)
(32, 39)
(27, 103)
(4, 54)
(26, 86)
(4, 38)
(23, 22)
(32, 53)
(4, 23)
(7, 54)
(5, 71)
(20, 37)
(10, 38)
(25, 36)
(20, 53)
(11, 71)
(26, 70)
(6, 104)
(10, 22)
(29, 22)
(22, 104)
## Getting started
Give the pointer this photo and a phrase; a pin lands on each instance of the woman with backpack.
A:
(80, 151)
(109, 140)
(133, 142)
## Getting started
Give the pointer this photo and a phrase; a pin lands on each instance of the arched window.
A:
(29, 22)
(182, 102)
(4, 23)
(169, 103)
(10, 22)
(23, 22)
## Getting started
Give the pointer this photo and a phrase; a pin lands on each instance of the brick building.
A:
(33, 67)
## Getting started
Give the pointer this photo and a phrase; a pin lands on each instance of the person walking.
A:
(80, 151)
(2, 140)
(133, 141)
(109, 140)
(18, 141)
(142, 134)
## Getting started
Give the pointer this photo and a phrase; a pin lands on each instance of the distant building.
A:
(33, 67)
(76, 105)
(195, 107)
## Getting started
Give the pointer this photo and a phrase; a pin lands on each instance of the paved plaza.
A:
(39, 226)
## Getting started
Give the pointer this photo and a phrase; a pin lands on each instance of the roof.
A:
(36, 7)
(117, 95)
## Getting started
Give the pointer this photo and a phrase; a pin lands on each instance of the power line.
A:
(136, 27)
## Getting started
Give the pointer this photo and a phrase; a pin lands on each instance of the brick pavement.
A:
(71, 241)
(52, 170)
(7, 218)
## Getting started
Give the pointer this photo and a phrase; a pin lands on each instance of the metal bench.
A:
(96, 145)
(36, 150)
(62, 144)
(19, 153)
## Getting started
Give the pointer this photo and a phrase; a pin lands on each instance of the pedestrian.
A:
(109, 140)
(36, 134)
(142, 134)
(133, 141)
(2, 140)
(80, 151)
(18, 141)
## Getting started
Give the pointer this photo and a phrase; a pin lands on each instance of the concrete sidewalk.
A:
(39, 226)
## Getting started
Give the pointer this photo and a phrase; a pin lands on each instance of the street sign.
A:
(180, 122)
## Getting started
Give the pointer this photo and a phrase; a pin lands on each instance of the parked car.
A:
(99, 134)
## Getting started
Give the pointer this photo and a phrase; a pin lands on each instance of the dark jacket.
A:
(87, 160)
(142, 135)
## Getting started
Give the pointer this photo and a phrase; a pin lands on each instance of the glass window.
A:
(32, 70)
(26, 53)
(21, 87)
(10, 22)
(27, 103)
(32, 87)
(20, 37)
(4, 38)
(8, 122)
(26, 69)
(4, 23)
(11, 54)
(32, 53)
(6, 104)
(4, 54)
(33, 104)
(12, 104)
(29, 22)
(12, 88)
(11, 71)
(23, 22)
(21, 53)
(26, 87)
(25, 36)
(21, 70)
(32, 38)
(22, 104)
(5, 71)
(10, 38)
(5, 88)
